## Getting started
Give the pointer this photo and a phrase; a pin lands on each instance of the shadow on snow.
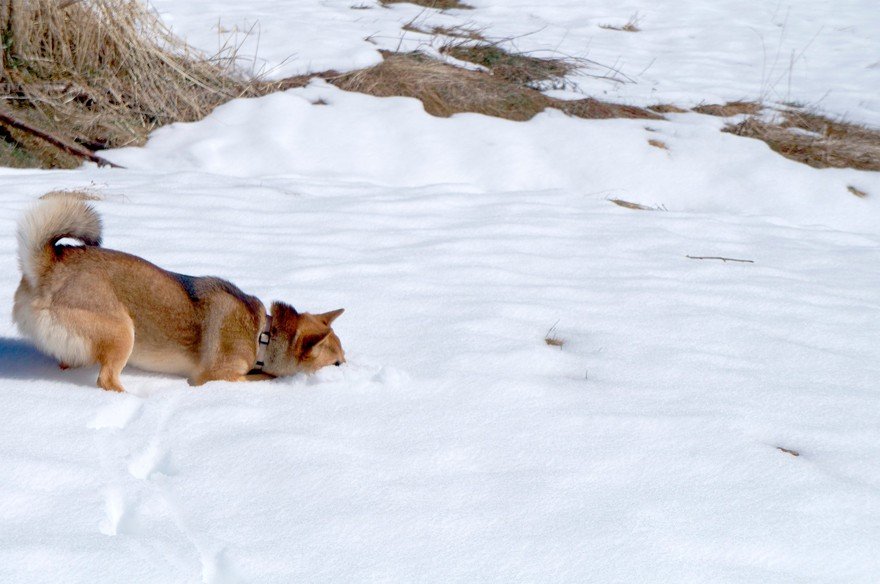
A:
(20, 360)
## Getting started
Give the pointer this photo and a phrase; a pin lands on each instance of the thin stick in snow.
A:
(7, 119)
(725, 260)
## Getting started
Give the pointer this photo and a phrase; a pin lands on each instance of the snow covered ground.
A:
(823, 54)
(456, 445)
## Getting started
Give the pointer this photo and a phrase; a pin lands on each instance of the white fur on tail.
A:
(47, 222)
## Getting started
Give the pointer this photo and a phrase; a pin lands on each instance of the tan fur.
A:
(87, 304)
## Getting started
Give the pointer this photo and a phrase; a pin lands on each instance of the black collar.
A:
(263, 344)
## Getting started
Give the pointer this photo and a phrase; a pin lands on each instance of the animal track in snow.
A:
(117, 414)
(122, 516)
(154, 459)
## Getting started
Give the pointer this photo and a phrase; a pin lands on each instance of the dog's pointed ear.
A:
(283, 315)
(328, 317)
(313, 341)
(283, 308)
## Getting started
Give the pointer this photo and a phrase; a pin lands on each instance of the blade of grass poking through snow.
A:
(552, 338)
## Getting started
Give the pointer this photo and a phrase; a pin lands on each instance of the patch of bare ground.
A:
(438, 4)
(658, 144)
(445, 90)
(815, 139)
(729, 109)
(92, 74)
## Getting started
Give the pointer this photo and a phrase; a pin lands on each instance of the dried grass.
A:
(471, 33)
(667, 108)
(593, 109)
(857, 191)
(438, 4)
(729, 109)
(553, 339)
(632, 25)
(658, 144)
(105, 73)
(636, 206)
(102, 73)
(513, 67)
(445, 90)
(816, 140)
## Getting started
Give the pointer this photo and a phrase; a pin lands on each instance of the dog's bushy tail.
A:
(44, 224)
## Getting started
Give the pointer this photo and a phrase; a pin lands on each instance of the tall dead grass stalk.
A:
(103, 73)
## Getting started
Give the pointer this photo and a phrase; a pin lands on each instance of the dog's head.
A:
(301, 342)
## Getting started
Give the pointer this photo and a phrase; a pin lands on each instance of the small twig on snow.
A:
(725, 260)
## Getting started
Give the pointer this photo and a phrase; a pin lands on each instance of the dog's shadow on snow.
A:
(20, 360)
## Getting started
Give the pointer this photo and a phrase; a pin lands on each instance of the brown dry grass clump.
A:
(816, 140)
(438, 4)
(667, 108)
(731, 108)
(100, 73)
(513, 67)
(593, 109)
(445, 90)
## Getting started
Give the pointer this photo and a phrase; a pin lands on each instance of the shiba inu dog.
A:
(85, 304)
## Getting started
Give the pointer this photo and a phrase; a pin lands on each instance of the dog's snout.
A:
(338, 363)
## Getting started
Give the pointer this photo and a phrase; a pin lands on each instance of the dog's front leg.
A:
(230, 372)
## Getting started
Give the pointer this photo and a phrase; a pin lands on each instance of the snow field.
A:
(456, 445)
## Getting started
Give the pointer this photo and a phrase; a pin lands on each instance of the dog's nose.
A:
(338, 363)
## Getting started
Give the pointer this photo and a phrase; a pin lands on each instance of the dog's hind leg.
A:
(112, 341)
